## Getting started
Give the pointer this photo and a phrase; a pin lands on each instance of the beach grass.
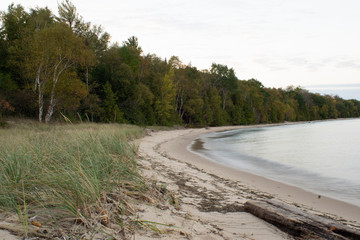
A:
(65, 166)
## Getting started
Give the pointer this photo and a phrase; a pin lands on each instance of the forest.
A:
(56, 67)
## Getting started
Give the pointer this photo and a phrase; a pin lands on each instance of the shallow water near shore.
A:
(321, 157)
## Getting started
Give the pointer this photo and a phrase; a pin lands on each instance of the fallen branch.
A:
(298, 223)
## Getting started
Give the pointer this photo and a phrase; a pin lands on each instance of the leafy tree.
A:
(274, 105)
(68, 64)
(68, 14)
(133, 42)
(165, 99)
(91, 106)
(94, 36)
(14, 30)
(40, 18)
(224, 80)
(53, 51)
(189, 102)
(14, 23)
(114, 67)
(112, 112)
(215, 106)
(142, 106)
(340, 106)
(6, 82)
(70, 92)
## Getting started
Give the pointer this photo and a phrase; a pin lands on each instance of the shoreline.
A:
(178, 147)
(308, 183)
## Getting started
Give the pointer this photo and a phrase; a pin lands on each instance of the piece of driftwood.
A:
(298, 223)
(19, 230)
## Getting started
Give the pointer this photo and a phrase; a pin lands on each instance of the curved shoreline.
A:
(176, 146)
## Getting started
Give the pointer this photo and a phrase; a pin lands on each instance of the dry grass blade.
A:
(153, 226)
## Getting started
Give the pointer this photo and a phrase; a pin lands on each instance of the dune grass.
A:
(65, 166)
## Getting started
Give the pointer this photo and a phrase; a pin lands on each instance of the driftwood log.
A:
(298, 223)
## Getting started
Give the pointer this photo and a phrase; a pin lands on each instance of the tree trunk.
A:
(41, 105)
(87, 78)
(50, 110)
(300, 224)
(37, 86)
(57, 73)
(224, 99)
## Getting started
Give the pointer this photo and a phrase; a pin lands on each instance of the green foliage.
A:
(68, 14)
(91, 107)
(224, 79)
(6, 83)
(14, 23)
(70, 92)
(165, 99)
(112, 112)
(217, 116)
(94, 37)
(95, 81)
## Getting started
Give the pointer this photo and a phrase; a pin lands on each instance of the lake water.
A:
(322, 157)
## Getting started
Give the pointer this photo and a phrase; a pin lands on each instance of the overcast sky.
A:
(278, 42)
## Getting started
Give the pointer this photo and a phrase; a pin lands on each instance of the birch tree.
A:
(54, 50)
(95, 38)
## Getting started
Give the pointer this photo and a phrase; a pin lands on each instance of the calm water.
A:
(322, 157)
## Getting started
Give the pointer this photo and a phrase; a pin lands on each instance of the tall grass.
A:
(65, 166)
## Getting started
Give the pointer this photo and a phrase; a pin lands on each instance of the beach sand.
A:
(212, 195)
(208, 198)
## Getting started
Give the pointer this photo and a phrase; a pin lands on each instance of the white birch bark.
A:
(56, 76)
(37, 87)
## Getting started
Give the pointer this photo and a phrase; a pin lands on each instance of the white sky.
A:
(278, 42)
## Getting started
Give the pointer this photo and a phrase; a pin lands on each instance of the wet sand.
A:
(179, 148)
(207, 189)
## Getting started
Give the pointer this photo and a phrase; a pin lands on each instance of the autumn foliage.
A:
(5, 106)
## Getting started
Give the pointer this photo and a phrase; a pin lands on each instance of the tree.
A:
(112, 111)
(133, 42)
(53, 51)
(14, 22)
(215, 106)
(165, 99)
(91, 106)
(40, 18)
(14, 29)
(189, 102)
(224, 80)
(70, 93)
(94, 36)
(68, 14)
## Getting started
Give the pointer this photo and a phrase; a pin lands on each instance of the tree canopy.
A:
(54, 65)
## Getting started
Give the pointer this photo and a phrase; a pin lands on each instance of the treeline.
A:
(60, 66)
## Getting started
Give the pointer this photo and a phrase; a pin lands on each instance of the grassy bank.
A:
(70, 168)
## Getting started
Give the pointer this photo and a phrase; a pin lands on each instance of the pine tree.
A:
(111, 109)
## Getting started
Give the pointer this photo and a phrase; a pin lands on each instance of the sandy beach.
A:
(207, 199)
(212, 195)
